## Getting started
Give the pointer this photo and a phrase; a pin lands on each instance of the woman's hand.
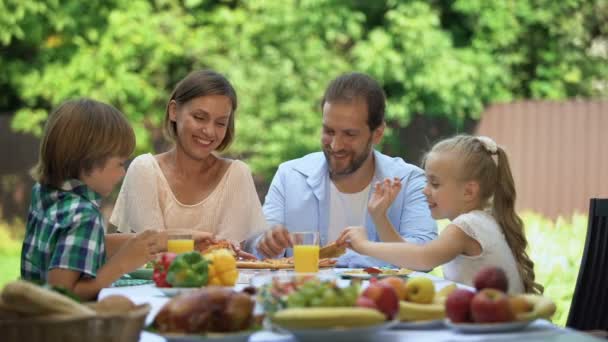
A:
(384, 194)
(353, 237)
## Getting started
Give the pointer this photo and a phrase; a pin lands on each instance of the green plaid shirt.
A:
(64, 230)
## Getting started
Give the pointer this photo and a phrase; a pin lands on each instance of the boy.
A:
(82, 155)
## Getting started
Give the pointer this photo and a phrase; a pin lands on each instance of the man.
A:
(329, 191)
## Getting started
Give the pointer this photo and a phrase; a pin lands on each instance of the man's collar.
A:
(78, 187)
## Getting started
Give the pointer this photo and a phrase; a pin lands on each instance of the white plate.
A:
(480, 328)
(366, 276)
(174, 291)
(432, 324)
(337, 334)
(242, 336)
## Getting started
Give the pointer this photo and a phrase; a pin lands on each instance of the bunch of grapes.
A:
(323, 294)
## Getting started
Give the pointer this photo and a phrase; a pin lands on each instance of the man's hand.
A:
(383, 196)
(274, 242)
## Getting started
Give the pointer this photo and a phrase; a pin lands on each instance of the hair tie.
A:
(488, 144)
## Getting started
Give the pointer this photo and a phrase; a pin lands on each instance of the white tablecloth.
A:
(539, 330)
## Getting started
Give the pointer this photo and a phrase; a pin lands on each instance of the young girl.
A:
(82, 156)
(469, 182)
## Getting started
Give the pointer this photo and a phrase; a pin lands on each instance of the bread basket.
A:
(101, 327)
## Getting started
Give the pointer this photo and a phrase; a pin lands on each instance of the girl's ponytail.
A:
(511, 223)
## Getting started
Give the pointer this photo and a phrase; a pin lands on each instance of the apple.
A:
(458, 305)
(491, 277)
(420, 290)
(398, 285)
(365, 302)
(490, 306)
(385, 298)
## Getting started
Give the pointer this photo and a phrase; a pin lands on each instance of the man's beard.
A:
(354, 165)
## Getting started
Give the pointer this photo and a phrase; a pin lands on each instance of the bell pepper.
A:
(161, 266)
(188, 270)
(222, 270)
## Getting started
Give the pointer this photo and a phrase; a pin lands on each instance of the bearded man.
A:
(328, 191)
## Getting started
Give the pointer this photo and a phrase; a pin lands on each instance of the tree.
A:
(443, 58)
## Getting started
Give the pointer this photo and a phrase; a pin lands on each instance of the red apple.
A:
(458, 306)
(365, 302)
(490, 306)
(398, 285)
(385, 298)
(491, 277)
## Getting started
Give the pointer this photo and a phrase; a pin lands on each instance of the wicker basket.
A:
(100, 328)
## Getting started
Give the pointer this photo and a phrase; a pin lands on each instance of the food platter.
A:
(335, 334)
(278, 264)
(372, 272)
(483, 328)
(240, 336)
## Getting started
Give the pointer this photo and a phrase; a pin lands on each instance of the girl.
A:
(469, 181)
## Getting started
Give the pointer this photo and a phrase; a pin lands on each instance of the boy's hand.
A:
(140, 249)
(384, 194)
(353, 237)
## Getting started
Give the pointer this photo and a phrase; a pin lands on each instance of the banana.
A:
(542, 307)
(323, 318)
(409, 311)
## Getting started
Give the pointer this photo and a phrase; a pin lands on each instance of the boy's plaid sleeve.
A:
(81, 248)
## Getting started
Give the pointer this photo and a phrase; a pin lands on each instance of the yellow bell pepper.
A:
(222, 269)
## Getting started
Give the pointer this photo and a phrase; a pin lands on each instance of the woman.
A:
(190, 187)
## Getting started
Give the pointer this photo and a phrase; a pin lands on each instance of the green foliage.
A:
(556, 249)
(443, 58)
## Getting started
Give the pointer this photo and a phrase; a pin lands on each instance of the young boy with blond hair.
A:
(82, 156)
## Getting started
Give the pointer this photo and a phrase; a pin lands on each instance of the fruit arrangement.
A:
(309, 303)
(492, 304)
(418, 301)
(305, 292)
(193, 269)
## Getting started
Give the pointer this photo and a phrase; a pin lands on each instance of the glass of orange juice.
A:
(306, 251)
(180, 243)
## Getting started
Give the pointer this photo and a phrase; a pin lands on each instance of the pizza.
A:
(217, 244)
(331, 251)
(279, 263)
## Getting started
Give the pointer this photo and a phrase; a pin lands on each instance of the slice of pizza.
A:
(331, 250)
(218, 244)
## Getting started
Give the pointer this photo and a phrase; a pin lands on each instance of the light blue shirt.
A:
(298, 198)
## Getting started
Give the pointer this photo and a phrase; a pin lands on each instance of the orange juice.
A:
(180, 245)
(306, 258)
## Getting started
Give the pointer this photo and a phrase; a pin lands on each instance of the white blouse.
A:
(482, 226)
(231, 211)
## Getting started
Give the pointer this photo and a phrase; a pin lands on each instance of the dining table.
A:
(538, 330)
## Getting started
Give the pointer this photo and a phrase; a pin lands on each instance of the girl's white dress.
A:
(483, 227)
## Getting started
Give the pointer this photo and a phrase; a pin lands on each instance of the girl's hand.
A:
(353, 237)
(384, 194)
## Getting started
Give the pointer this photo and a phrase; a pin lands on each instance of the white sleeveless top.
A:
(481, 226)
(232, 211)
